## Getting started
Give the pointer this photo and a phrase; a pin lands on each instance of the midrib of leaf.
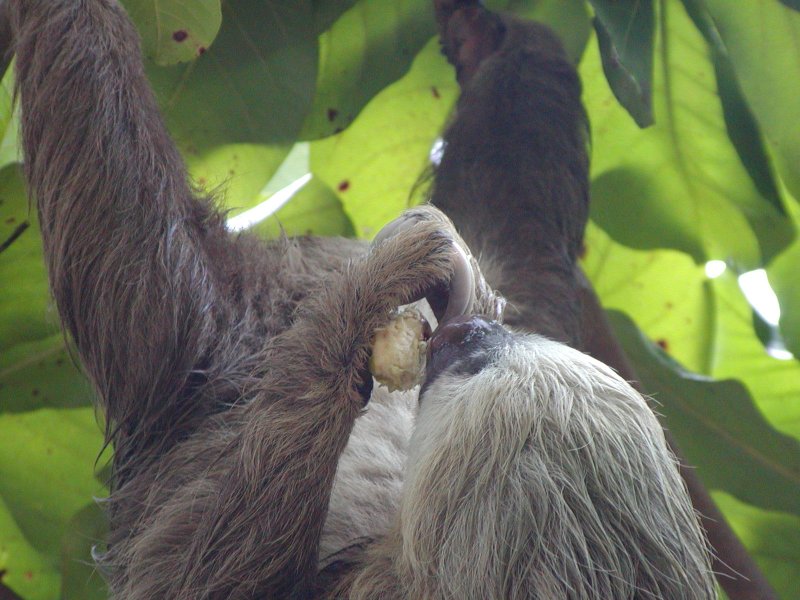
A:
(157, 12)
(671, 125)
(30, 360)
(187, 73)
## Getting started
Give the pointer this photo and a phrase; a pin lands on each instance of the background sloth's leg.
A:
(514, 173)
(514, 176)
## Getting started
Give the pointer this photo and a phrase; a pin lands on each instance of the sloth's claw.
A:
(461, 287)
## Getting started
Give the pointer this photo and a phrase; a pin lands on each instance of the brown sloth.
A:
(254, 458)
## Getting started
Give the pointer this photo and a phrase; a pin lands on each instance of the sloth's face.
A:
(463, 346)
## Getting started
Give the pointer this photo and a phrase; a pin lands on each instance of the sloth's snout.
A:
(463, 345)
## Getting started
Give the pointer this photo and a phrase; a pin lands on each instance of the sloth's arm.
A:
(514, 173)
(142, 271)
(249, 523)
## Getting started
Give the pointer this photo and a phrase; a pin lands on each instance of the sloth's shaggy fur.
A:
(531, 480)
(233, 373)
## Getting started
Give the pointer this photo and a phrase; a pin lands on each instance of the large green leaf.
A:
(25, 295)
(49, 438)
(664, 291)
(761, 38)
(49, 479)
(314, 210)
(679, 184)
(706, 325)
(327, 11)
(174, 31)
(374, 163)
(718, 427)
(783, 273)
(9, 150)
(235, 174)
(738, 353)
(772, 538)
(625, 32)
(253, 87)
(22, 568)
(80, 578)
(368, 47)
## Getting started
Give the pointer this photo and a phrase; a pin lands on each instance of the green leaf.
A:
(374, 164)
(761, 40)
(254, 86)
(46, 455)
(22, 568)
(24, 299)
(679, 184)
(718, 427)
(41, 374)
(314, 210)
(327, 11)
(80, 578)
(368, 47)
(235, 174)
(706, 325)
(738, 353)
(625, 37)
(772, 538)
(744, 133)
(9, 124)
(665, 292)
(783, 276)
(48, 480)
(740, 122)
(175, 31)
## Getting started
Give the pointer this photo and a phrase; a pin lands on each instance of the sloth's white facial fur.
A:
(546, 472)
(533, 472)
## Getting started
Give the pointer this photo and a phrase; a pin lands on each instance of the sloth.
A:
(254, 455)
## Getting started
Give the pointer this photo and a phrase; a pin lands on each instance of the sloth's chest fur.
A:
(366, 492)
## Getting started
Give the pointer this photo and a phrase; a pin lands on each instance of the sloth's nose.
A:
(463, 345)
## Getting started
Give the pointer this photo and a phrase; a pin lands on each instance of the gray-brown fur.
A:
(232, 371)
(514, 174)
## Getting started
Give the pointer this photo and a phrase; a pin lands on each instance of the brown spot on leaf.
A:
(180, 35)
(435, 92)
(10, 221)
(28, 575)
(201, 50)
(34, 392)
(344, 186)
(669, 305)
(332, 114)
(663, 344)
(59, 362)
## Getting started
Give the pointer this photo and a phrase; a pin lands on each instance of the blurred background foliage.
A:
(320, 116)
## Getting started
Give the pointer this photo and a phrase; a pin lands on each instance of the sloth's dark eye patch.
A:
(463, 345)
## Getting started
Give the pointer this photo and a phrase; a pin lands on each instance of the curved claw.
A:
(461, 288)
